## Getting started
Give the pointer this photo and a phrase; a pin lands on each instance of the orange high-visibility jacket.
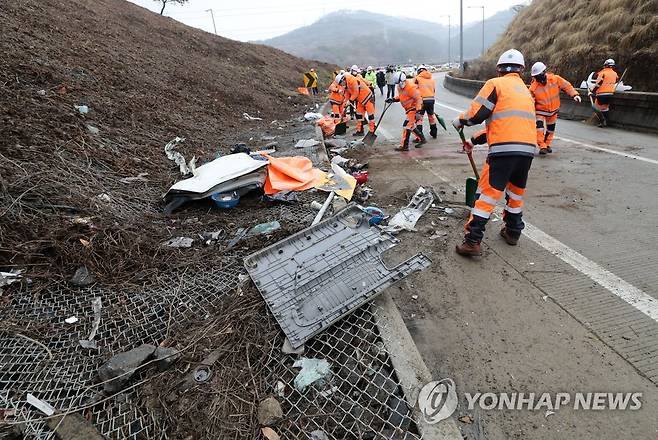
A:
(547, 96)
(507, 106)
(357, 89)
(410, 97)
(606, 81)
(426, 85)
(336, 94)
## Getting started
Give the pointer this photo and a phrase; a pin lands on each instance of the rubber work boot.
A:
(549, 149)
(358, 133)
(510, 239)
(420, 142)
(401, 148)
(433, 131)
(468, 249)
(543, 151)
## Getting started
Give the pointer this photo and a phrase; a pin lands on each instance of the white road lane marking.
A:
(583, 144)
(633, 296)
(606, 279)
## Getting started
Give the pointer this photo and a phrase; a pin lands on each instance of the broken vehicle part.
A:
(408, 216)
(312, 370)
(96, 306)
(317, 276)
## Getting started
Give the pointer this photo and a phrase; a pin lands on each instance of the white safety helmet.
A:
(340, 77)
(609, 63)
(400, 78)
(511, 61)
(421, 68)
(370, 68)
(354, 69)
(538, 68)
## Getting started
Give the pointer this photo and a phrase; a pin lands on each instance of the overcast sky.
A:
(261, 19)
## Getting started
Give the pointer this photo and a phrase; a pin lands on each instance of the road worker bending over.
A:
(358, 91)
(409, 97)
(507, 106)
(427, 88)
(606, 83)
(338, 102)
(545, 88)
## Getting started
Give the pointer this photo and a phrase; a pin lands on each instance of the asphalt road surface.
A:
(573, 308)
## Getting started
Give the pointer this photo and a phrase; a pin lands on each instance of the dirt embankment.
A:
(145, 79)
(574, 38)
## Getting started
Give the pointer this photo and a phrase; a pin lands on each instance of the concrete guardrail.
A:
(636, 110)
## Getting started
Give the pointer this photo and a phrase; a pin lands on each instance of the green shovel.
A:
(471, 182)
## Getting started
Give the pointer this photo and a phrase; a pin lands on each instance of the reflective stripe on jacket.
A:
(547, 96)
(409, 97)
(426, 85)
(606, 81)
(505, 103)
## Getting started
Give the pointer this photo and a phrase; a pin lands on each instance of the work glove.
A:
(577, 98)
(457, 123)
(467, 146)
(389, 100)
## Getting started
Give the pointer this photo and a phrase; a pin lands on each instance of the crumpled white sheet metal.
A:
(408, 216)
(220, 170)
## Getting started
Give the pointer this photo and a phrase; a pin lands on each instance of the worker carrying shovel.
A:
(506, 103)
(357, 90)
(412, 102)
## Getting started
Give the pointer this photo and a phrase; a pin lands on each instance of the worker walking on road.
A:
(507, 106)
(545, 89)
(604, 89)
(314, 75)
(412, 102)
(381, 81)
(427, 88)
(357, 90)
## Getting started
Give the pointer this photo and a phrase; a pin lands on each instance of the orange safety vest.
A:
(606, 81)
(357, 89)
(409, 97)
(505, 103)
(426, 85)
(547, 96)
(336, 94)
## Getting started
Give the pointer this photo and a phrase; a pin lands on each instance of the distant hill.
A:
(347, 37)
(574, 38)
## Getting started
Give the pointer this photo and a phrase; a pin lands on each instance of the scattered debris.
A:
(408, 216)
(248, 117)
(306, 143)
(92, 129)
(466, 419)
(438, 234)
(89, 343)
(71, 320)
(319, 435)
(41, 405)
(177, 157)
(264, 228)
(82, 277)
(269, 433)
(414, 297)
(82, 109)
(449, 211)
(7, 278)
(165, 357)
(287, 348)
(226, 200)
(269, 412)
(117, 371)
(41, 92)
(141, 177)
(312, 116)
(312, 371)
(209, 238)
(104, 197)
(280, 389)
(73, 426)
(548, 413)
(287, 197)
(336, 143)
(179, 242)
(312, 279)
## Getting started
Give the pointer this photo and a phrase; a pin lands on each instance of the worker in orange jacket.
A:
(412, 102)
(506, 104)
(338, 102)
(604, 89)
(545, 89)
(427, 88)
(357, 90)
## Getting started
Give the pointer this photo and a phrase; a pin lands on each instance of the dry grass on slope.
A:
(574, 38)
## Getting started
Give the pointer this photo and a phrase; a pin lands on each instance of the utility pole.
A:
(449, 40)
(213, 20)
(461, 35)
(481, 7)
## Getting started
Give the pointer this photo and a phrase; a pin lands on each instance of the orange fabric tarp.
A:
(291, 174)
(327, 126)
(303, 90)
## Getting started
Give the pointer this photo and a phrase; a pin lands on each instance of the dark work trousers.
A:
(391, 91)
